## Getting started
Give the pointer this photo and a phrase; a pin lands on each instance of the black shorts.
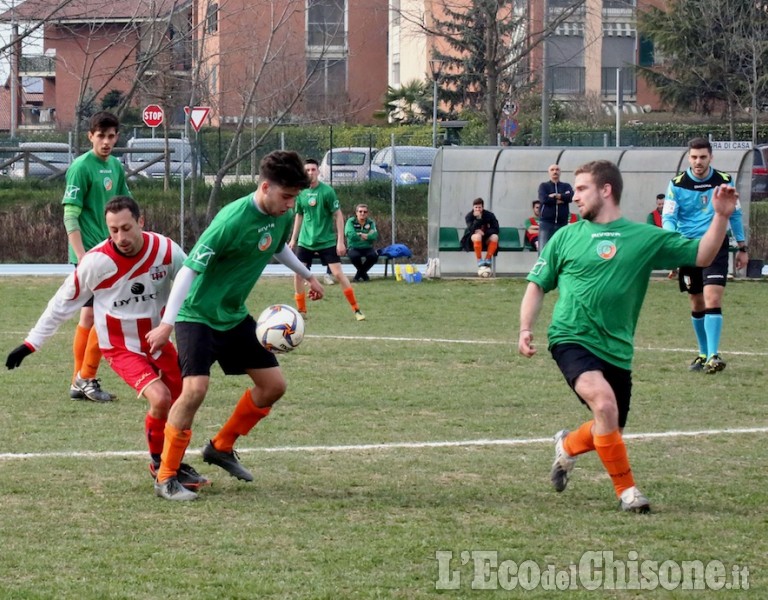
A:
(236, 349)
(693, 279)
(327, 256)
(574, 360)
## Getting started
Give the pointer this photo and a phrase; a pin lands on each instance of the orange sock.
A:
(350, 294)
(92, 356)
(612, 451)
(491, 250)
(580, 440)
(174, 447)
(241, 421)
(301, 302)
(154, 428)
(78, 348)
(478, 246)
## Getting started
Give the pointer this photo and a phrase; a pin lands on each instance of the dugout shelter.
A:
(508, 179)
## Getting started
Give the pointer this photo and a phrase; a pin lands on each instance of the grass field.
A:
(402, 442)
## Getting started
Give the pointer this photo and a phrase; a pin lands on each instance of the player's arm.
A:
(72, 226)
(670, 209)
(341, 247)
(290, 260)
(297, 221)
(529, 312)
(160, 335)
(67, 300)
(724, 199)
(373, 233)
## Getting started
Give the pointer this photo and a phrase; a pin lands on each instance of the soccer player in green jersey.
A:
(93, 179)
(207, 304)
(318, 231)
(601, 267)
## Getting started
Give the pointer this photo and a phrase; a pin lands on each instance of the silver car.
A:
(346, 165)
(152, 150)
(40, 160)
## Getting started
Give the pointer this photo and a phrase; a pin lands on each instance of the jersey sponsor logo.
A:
(134, 299)
(202, 255)
(158, 272)
(71, 192)
(265, 242)
(108, 184)
(144, 376)
(606, 250)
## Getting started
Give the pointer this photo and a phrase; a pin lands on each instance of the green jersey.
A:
(602, 273)
(318, 207)
(353, 229)
(91, 183)
(230, 257)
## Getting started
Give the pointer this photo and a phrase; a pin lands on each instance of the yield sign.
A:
(197, 115)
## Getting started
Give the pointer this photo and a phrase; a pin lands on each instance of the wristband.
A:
(743, 249)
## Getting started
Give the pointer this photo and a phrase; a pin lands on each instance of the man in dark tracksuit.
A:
(555, 196)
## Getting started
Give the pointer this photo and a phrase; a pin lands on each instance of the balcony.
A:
(37, 117)
(37, 66)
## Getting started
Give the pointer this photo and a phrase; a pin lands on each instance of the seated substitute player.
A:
(207, 304)
(482, 233)
(532, 227)
(128, 277)
(601, 267)
(318, 232)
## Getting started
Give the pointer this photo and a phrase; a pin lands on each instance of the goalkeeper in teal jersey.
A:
(601, 267)
(207, 304)
(688, 210)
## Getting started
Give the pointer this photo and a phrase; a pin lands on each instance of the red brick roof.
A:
(91, 10)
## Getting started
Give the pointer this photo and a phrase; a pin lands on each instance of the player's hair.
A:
(535, 202)
(118, 203)
(285, 169)
(660, 196)
(700, 143)
(102, 121)
(604, 171)
(361, 205)
(477, 201)
(311, 161)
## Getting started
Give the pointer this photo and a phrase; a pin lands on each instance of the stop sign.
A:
(153, 115)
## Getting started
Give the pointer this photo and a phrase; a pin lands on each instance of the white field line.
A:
(390, 446)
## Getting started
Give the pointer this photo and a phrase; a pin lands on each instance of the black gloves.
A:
(17, 355)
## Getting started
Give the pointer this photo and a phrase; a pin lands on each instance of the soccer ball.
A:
(280, 328)
(484, 272)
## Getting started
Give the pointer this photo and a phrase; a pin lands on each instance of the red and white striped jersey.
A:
(129, 293)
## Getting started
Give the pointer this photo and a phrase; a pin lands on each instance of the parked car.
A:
(346, 165)
(407, 164)
(147, 150)
(58, 156)
(760, 173)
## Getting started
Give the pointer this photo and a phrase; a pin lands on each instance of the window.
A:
(212, 19)
(327, 79)
(325, 23)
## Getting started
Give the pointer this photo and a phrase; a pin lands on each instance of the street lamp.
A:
(435, 67)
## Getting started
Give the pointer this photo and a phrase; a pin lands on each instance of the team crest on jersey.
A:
(108, 184)
(606, 250)
(265, 241)
(158, 272)
(312, 202)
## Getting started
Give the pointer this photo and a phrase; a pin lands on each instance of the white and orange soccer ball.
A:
(280, 328)
(484, 271)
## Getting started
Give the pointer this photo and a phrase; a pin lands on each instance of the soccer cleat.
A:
(91, 390)
(714, 364)
(633, 500)
(171, 489)
(227, 461)
(187, 476)
(75, 393)
(698, 363)
(329, 279)
(359, 316)
(563, 464)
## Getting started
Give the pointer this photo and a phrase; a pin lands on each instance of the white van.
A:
(152, 150)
